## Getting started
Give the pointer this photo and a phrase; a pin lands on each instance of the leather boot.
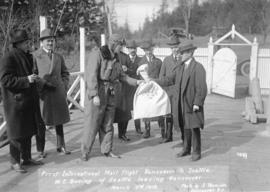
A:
(146, 134)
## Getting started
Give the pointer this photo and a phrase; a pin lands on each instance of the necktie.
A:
(50, 54)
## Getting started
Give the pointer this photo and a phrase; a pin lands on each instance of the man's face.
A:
(25, 45)
(148, 52)
(48, 43)
(132, 51)
(186, 55)
(175, 50)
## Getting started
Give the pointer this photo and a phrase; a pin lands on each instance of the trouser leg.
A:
(162, 126)
(169, 129)
(120, 129)
(187, 141)
(26, 149)
(106, 129)
(15, 151)
(196, 141)
(40, 138)
(60, 136)
(137, 123)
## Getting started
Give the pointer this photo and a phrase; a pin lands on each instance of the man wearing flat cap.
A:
(53, 88)
(20, 100)
(191, 90)
(154, 65)
(103, 72)
(168, 65)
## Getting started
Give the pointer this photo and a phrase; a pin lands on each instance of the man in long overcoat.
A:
(103, 72)
(20, 99)
(123, 107)
(154, 65)
(53, 71)
(191, 90)
(168, 65)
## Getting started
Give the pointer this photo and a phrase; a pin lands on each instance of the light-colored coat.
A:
(54, 105)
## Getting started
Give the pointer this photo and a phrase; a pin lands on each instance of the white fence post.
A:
(42, 23)
(254, 60)
(210, 65)
(103, 40)
(82, 64)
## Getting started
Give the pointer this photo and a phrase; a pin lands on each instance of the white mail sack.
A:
(150, 100)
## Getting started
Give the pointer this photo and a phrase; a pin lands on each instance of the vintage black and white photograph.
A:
(135, 95)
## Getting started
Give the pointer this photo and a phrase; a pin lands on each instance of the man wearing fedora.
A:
(20, 99)
(53, 88)
(134, 63)
(191, 91)
(168, 65)
(103, 72)
(154, 65)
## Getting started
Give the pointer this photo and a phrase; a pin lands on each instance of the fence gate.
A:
(224, 72)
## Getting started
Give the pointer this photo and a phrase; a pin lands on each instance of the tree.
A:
(186, 6)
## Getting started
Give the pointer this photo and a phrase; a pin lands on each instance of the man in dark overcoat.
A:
(53, 92)
(123, 107)
(191, 90)
(20, 99)
(154, 65)
(168, 65)
(103, 72)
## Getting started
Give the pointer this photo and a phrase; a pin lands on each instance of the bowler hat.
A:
(173, 41)
(46, 33)
(147, 44)
(131, 44)
(187, 47)
(19, 35)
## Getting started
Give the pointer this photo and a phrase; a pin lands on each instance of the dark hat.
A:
(147, 44)
(46, 33)
(19, 35)
(131, 44)
(187, 47)
(173, 41)
(116, 38)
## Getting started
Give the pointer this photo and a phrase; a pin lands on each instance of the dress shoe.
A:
(195, 157)
(112, 155)
(63, 150)
(167, 140)
(84, 157)
(182, 154)
(18, 168)
(124, 138)
(32, 162)
(146, 134)
(42, 155)
(139, 131)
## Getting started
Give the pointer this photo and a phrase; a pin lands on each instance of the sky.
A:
(135, 11)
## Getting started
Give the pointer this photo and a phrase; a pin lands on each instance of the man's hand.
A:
(32, 78)
(124, 68)
(111, 63)
(195, 108)
(138, 82)
(96, 101)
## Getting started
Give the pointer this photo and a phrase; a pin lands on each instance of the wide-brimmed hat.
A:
(18, 35)
(131, 44)
(46, 33)
(173, 41)
(116, 38)
(147, 44)
(187, 47)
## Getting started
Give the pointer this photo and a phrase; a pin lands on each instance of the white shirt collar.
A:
(187, 62)
(46, 50)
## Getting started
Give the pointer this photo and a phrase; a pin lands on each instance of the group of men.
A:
(111, 81)
(34, 88)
